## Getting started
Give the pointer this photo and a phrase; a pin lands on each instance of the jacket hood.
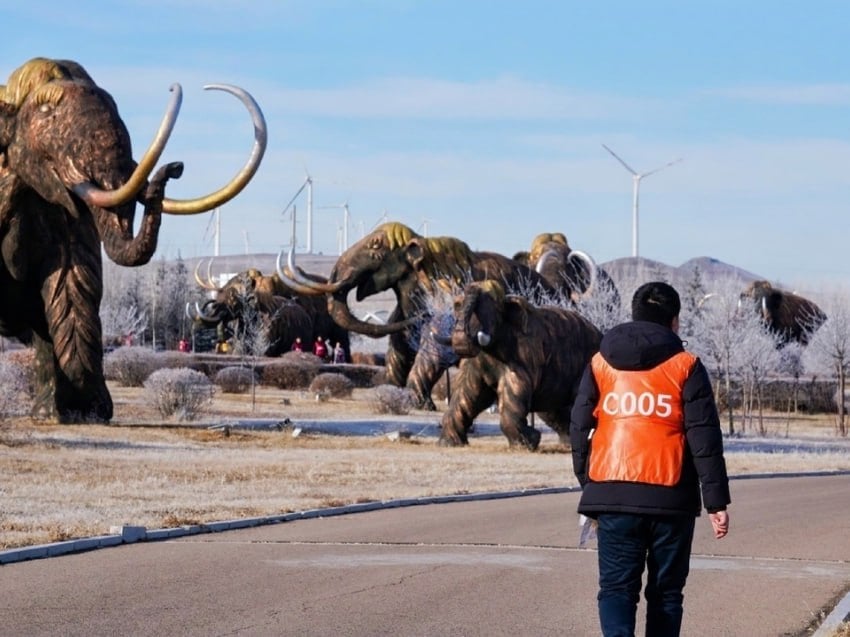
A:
(639, 345)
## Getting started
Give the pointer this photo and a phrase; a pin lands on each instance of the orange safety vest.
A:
(640, 434)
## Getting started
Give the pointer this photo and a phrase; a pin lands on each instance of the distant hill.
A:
(631, 269)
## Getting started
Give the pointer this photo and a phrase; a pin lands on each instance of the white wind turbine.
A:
(342, 242)
(308, 184)
(636, 177)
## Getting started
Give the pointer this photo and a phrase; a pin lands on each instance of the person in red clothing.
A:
(297, 346)
(319, 348)
(646, 444)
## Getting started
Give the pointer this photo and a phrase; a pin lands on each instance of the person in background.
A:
(297, 345)
(646, 442)
(339, 353)
(319, 348)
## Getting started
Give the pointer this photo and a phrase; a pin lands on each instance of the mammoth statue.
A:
(69, 187)
(244, 308)
(525, 358)
(791, 317)
(393, 257)
(572, 271)
(287, 314)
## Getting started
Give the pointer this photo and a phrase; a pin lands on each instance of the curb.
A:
(128, 534)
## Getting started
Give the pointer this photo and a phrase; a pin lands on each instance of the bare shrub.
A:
(24, 360)
(369, 358)
(180, 392)
(332, 385)
(362, 375)
(14, 400)
(301, 358)
(129, 366)
(171, 359)
(284, 375)
(234, 380)
(389, 399)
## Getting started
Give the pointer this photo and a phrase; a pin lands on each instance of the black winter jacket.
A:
(642, 345)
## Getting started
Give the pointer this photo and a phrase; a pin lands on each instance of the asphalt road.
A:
(492, 567)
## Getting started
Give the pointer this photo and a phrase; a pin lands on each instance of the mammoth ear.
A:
(521, 257)
(516, 313)
(7, 123)
(415, 252)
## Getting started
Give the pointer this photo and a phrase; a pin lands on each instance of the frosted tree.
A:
(169, 292)
(119, 321)
(757, 356)
(251, 338)
(828, 350)
(716, 334)
(124, 306)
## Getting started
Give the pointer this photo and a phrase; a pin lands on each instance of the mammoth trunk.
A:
(342, 316)
(117, 233)
(116, 225)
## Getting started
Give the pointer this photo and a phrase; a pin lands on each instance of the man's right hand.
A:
(720, 523)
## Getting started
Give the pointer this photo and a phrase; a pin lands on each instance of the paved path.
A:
(493, 567)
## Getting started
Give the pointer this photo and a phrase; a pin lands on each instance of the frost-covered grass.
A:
(60, 482)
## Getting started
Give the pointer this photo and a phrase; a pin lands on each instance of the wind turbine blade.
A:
(668, 164)
(295, 196)
(617, 157)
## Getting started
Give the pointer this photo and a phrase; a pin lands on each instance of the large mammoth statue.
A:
(393, 257)
(288, 314)
(69, 186)
(572, 271)
(791, 317)
(525, 358)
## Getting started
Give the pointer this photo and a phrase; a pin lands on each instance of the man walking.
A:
(646, 439)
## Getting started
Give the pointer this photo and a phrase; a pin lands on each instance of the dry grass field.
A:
(61, 482)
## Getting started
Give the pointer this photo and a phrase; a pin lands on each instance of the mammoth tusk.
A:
(95, 196)
(483, 338)
(208, 284)
(591, 266)
(292, 284)
(188, 313)
(702, 301)
(200, 314)
(235, 186)
(296, 280)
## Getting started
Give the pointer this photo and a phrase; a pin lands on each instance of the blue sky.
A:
(485, 120)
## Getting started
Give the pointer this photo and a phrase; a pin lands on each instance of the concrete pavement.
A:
(483, 567)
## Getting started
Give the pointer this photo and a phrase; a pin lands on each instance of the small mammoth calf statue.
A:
(526, 358)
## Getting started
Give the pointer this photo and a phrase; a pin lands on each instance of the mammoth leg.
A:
(72, 303)
(400, 358)
(470, 397)
(559, 422)
(514, 405)
(44, 401)
(431, 362)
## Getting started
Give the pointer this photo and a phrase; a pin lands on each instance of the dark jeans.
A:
(627, 542)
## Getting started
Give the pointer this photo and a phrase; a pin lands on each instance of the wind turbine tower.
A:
(308, 184)
(342, 241)
(636, 178)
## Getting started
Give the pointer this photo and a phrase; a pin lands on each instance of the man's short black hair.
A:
(656, 302)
